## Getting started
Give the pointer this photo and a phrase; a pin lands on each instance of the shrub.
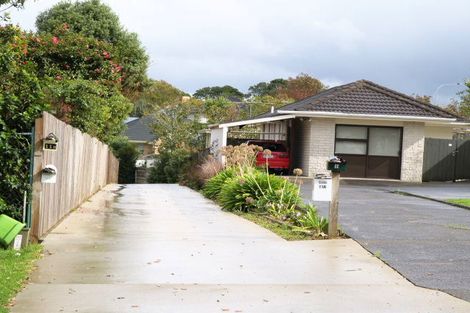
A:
(214, 185)
(201, 171)
(259, 191)
(127, 155)
(170, 165)
(241, 156)
(311, 221)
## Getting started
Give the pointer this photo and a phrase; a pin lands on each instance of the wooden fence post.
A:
(37, 185)
(333, 213)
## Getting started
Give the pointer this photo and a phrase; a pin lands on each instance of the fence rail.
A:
(84, 166)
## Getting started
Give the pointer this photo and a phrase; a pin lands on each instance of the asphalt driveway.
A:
(426, 241)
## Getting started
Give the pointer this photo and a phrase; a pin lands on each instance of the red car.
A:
(278, 161)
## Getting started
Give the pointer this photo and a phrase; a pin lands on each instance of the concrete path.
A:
(426, 241)
(164, 248)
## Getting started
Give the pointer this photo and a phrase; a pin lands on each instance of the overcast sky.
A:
(413, 46)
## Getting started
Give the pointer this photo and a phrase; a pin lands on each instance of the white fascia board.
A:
(255, 121)
(369, 116)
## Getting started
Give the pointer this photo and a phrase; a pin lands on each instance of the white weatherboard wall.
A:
(412, 152)
(439, 132)
(218, 140)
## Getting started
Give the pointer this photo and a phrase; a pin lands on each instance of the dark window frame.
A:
(366, 141)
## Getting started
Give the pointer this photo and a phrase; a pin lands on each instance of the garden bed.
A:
(281, 229)
(271, 201)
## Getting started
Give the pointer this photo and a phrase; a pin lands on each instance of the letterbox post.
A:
(333, 212)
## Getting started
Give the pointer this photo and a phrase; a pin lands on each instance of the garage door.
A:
(371, 151)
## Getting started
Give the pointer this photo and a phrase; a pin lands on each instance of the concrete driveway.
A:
(426, 241)
(164, 248)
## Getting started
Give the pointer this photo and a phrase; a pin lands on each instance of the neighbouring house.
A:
(139, 132)
(379, 131)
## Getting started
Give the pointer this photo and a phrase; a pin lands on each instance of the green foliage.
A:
(463, 201)
(83, 82)
(155, 96)
(15, 267)
(93, 19)
(262, 104)
(21, 101)
(267, 88)
(283, 230)
(258, 191)
(214, 185)
(170, 165)
(311, 221)
(179, 127)
(127, 155)
(221, 109)
(464, 106)
(217, 92)
(93, 108)
(294, 88)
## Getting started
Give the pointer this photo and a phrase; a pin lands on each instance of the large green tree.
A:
(157, 94)
(93, 19)
(267, 88)
(301, 87)
(217, 92)
(82, 82)
(179, 129)
(293, 88)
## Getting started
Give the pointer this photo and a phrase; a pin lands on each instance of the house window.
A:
(371, 151)
(351, 140)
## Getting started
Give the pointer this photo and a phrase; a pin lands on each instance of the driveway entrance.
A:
(165, 248)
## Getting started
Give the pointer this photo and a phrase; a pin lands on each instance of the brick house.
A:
(379, 131)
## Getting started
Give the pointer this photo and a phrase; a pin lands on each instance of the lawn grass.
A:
(15, 267)
(283, 231)
(465, 202)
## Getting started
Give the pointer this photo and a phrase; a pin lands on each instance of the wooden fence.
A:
(446, 159)
(84, 166)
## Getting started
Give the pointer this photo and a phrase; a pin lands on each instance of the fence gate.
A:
(446, 159)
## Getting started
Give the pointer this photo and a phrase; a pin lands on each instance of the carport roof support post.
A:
(218, 140)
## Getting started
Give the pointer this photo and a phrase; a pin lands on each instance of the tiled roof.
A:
(365, 97)
(140, 129)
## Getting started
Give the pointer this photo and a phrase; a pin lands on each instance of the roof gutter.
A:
(254, 121)
(368, 116)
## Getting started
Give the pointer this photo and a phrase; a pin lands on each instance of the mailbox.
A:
(322, 190)
(337, 165)
(49, 174)
(50, 142)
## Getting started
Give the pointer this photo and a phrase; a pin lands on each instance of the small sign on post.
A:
(321, 188)
(336, 166)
